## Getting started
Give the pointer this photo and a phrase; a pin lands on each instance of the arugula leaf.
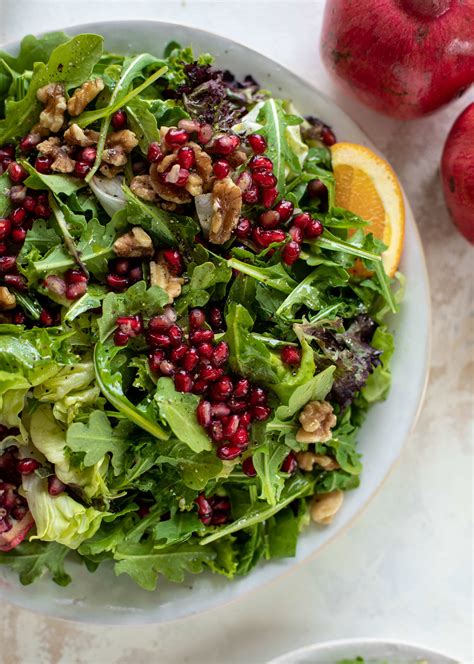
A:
(267, 460)
(196, 469)
(34, 49)
(178, 410)
(70, 63)
(179, 528)
(144, 563)
(274, 276)
(315, 389)
(32, 559)
(57, 184)
(92, 299)
(143, 123)
(96, 438)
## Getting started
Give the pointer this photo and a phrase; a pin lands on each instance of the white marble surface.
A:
(403, 571)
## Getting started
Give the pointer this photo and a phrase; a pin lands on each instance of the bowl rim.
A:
(294, 564)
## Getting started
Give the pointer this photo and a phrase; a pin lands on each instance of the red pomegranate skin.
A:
(457, 172)
(404, 58)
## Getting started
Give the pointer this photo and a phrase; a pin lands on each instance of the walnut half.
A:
(84, 95)
(7, 299)
(161, 276)
(307, 461)
(226, 204)
(325, 506)
(135, 244)
(52, 117)
(317, 419)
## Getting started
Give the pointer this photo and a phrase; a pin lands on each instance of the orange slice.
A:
(367, 186)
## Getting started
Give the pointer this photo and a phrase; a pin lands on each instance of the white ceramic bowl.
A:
(103, 598)
(373, 651)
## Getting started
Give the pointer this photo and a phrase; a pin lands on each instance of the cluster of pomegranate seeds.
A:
(72, 286)
(123, 273)
(213, 511)
(127, 328)
(13, 507)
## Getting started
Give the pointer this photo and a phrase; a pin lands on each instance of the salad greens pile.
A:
(107, 451)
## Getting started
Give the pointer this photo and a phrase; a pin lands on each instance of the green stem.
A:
(333, 244)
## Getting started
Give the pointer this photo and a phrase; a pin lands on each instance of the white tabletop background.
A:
(403, 570)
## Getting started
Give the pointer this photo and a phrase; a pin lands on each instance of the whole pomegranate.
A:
(404, 58)
(457, 172)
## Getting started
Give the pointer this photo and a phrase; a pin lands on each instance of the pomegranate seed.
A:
(205, 350)
(316, 189)
(155, 153)
(196, 336)
(19, 318)
(221, 503)
(177, 354)
(7, 151)
(132, 325)
(263, 178)
(88, 155)
(219, 518)
(221, 169)
(296, 234)
(248, 468)
(231, 426)
(116, 282)
(242, 387)
(200, 386)
(155, 359)
(216, 431)
(42, 211)
(19, 511)
(29, 142)
(135, 274)
(17, 194)
(328, 137)
(210, 374)
(258, 162)
(228, 452)
(204, 134)
(167, 368)
(183, 382)
(75, 277)
(29, 203)
(161, 322)
(55, 284)
(18, 235)
(250, 195)
(268, 197)
(269, 219)
(220, 410)
(18, 216)
(119, 120)
(191, 359)
(258, 396)
(291, 252)
(7, 263)
(291, 355)
(237, 405)
(174, 260)
(81, 169)
(290, 464)
(301, 220)
(175, 137)
(15, 281)
(4, 164)
(27, 466)
(191, 126)
(260, 413)
(43, 164)
(215, 317)
(121, 338)
(203, 413)
(186, 157)
(243, 228)
(203, 505)
(222, 389)
(313, 229)
(73, 291)
(257, 143)
(5, 228)
(220, 354)
(266, 238)
(158, 339)
(55, 486)
(240, 437)
(244, 181)
(175, 334)
(245, 419)
(197, 318)
(16, 172)
(42, 198)
(226, 144)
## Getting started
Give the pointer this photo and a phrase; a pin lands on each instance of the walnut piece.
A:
(114, 156)
(226, 204)
(325, 506)
(7, 299)
(307, 461)
(124, 139)
(135, 244)
(84, 95)
(203, 166)
(75, 135)
(52, 96)
(60, 153)
(168, 192)
(194, 184)
(317, 419)
(142, 187)
(161, 276)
